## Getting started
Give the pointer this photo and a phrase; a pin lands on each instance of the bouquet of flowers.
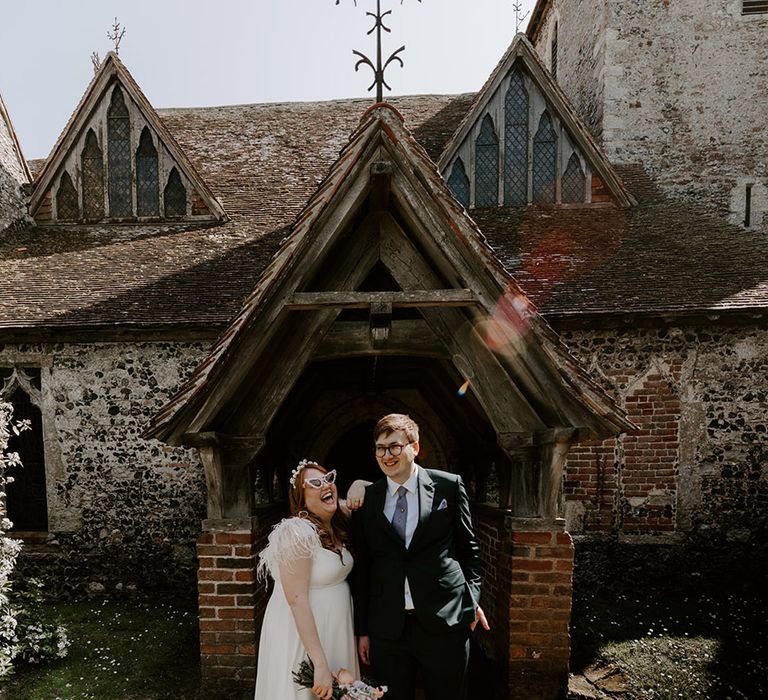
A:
(345, 685)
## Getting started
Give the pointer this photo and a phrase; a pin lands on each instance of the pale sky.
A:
(195, 53)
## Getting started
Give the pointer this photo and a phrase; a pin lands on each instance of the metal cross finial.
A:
(116, 35)
(378, 68)
(519, 16)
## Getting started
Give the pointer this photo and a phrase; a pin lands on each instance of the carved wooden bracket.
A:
(226, 459)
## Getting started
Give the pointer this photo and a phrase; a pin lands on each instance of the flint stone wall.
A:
(697, 470)
(681, 87)
(124, 513)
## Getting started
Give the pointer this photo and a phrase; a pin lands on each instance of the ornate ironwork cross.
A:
(519, 16)
(378, 68)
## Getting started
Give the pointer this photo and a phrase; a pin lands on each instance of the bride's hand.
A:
(356, 494)
(323, 686)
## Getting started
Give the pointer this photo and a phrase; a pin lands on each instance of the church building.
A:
(562, 277)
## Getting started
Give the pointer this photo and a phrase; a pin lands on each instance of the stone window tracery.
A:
(119, 150)
(459, 182)
(175, 195)
(487, 165)
(147, 181)
(516, 142)
(544, 161)
(66, 199)
(93, 178)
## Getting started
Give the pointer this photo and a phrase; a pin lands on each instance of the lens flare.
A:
(463, 388)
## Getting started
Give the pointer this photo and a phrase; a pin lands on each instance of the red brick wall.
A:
(629, 485)
(527, 591)
(231, 603)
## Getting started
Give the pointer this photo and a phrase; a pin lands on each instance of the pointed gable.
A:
(14, 172)
(522, 142)
(120, 160)
(384, 218)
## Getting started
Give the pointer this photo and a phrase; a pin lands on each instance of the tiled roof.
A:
(264, 162)
(662, 257)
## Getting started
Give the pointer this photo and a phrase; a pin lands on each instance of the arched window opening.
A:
(119, 144)
(93, 178)
(175, 195)
(26, 499)
(458, 182)
(147, 181)
(66, 199)
(553, 53)
(574, 181)
(516, 142)
(487, 165)
(544, 161)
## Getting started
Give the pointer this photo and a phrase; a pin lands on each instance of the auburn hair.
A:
(297, 500)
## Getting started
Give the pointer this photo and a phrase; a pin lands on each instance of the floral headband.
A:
(295, 473)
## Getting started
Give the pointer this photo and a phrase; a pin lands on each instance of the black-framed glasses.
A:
(395, 449)
(317, 482)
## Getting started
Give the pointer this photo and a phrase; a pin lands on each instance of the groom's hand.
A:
(364, 649)
(480, 617)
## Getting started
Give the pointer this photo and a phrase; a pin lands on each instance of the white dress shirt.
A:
(412, 499)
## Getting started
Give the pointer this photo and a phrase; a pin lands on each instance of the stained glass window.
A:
(516, 142)
(459, 182)
(175, 195)
(147, 182)
(544, 160)
(93, 178)
(487, 165)
(574, 181)
(66, 199)
(119, 141)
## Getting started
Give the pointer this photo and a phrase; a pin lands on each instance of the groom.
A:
(417, 571)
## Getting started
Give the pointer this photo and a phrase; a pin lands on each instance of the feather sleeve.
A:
(290, 539)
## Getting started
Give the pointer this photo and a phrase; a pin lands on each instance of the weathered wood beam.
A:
(226, 460)
(412, 298)
(407, 337)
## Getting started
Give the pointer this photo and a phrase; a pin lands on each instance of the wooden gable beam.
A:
(412, 298)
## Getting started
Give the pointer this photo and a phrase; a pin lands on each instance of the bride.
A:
(310, 610)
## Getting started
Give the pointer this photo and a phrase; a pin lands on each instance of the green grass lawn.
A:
(673, 647)
(118, 651)
(707, 647)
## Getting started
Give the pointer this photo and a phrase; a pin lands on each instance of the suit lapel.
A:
(426, 489)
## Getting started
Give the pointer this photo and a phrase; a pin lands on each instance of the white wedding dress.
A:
(280, 648)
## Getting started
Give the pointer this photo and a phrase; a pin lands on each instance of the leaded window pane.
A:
(459, 182)
(66, 199)
(544, 161)
(574, 181)
(119, 144)
(516, 142)
(147, 181)
(93, 178)
(175, 195)
(487, 165)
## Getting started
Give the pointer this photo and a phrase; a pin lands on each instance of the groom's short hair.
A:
(393, 422)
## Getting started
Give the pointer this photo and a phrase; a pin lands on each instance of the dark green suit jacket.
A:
(442, 563)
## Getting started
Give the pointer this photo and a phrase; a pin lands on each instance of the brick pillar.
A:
(540, 597)
(231, 603)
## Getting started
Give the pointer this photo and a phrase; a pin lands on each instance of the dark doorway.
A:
(353, 456)
(26, 499)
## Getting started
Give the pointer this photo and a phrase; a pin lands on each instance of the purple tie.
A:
(401, 512)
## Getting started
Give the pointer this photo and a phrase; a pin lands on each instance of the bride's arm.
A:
(355, 496)
(295, 582)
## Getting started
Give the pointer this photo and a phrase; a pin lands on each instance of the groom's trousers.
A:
(440, 660)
